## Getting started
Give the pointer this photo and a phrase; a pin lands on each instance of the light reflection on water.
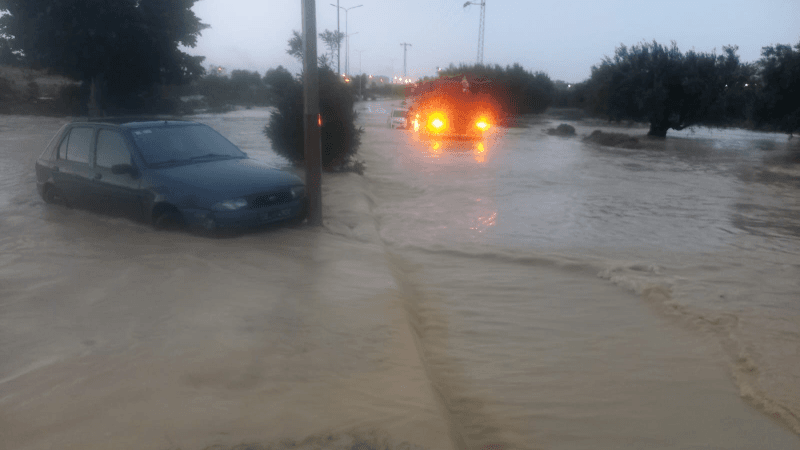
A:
(687, 192)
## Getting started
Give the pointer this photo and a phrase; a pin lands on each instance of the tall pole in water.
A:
(311, 123)
(481, 27)
(405, 49)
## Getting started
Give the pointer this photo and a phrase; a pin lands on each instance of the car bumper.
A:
(246, 218)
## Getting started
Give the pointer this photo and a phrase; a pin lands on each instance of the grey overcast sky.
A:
(562, 38)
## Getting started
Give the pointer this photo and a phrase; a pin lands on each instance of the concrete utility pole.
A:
(481, 27)
(405, 49)
(313, 154)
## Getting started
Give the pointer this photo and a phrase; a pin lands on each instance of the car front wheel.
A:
(168, 219)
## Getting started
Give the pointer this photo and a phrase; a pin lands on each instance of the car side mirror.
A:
(119, 169)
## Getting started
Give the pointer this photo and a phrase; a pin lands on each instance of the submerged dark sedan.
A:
(173, 174)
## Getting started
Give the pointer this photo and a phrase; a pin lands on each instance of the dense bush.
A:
(339, 136)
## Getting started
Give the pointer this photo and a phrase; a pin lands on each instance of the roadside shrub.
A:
(339, 136)
(562, 130)
(613, 140)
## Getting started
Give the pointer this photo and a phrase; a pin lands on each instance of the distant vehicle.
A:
(446, 109)
(398, 119)
(171, 174)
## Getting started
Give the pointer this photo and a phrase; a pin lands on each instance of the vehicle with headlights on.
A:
(446, 109)
(169, 173)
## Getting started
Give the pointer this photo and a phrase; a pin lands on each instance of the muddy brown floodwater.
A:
(533, 292)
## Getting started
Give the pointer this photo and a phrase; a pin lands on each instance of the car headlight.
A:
(437, 122)
(230, 205)
(298, 192)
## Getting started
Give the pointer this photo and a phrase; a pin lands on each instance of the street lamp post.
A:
(347, 47)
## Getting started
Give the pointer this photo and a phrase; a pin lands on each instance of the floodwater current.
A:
(532, 291)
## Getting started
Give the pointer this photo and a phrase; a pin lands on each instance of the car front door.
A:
(71, 173)
(117, 194)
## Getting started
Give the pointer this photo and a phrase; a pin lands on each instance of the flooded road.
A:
(538, 292)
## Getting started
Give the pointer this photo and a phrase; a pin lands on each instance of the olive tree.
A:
(778, 103)
(660, 85)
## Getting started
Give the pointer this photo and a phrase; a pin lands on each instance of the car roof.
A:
(136, 121)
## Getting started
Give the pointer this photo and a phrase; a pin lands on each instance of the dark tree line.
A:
(673, 90)
(127, 47)
(517, 91)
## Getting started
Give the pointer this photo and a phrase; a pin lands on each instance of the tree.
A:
(332, 40)
(131, 44)
(517, 90)
(296, 48)
(278, 81)
(248, 87)
(661, 85)
(778, 104)
(339, 135)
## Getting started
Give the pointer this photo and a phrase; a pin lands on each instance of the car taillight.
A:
(482, 124)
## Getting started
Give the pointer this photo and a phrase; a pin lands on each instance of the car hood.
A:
(205, 183)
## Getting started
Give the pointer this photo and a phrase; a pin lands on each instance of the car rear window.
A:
(163, 144)
(398, 113)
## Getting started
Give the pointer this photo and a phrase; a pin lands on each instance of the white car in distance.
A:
(397, 119)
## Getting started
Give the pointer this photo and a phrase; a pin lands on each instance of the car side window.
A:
(111, 149)
(79, 144)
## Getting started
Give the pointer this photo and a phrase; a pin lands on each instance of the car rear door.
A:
(115, 194)
(71, 172)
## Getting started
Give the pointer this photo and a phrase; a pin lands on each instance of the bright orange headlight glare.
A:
(482, 124)
(437, 122)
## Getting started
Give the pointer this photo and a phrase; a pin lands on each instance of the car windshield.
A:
(398, 113)
(183, 144)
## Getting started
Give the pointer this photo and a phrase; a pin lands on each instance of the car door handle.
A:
(98, 176)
